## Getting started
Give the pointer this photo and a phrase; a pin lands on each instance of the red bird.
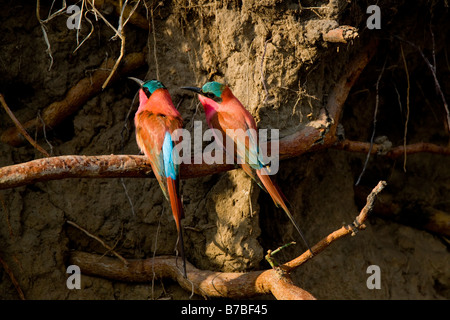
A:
(155, 120)
(226, 113)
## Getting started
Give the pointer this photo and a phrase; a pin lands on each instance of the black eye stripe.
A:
(213, 97)
(147, 92)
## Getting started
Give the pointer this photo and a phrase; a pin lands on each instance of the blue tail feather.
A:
(170, 168)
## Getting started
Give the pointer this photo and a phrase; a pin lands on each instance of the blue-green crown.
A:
(152, 85)
(214, 87)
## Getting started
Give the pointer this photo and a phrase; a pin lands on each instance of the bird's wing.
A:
(245, 146)
(245, 137)
(153, 135)
(153, 141)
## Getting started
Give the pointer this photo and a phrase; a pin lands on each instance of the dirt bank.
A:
(253, 46)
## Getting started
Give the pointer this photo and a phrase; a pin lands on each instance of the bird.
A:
(155, 121)
(224, 111)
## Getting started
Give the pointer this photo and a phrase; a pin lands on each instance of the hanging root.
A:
(75, 98)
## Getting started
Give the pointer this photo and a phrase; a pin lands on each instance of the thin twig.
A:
(269, 256)
(118, 33)
(5, 209)
(119, 59)
(154, 253)
(351, 229)
(44, 32)
(57, 13)
(262, 72)
(128, 196)
(79, 28)
(374, 123)
(433, 72)
(21, 128)
(13, 279)
(44, 131)
(407, 106)
(110, 249)
(154, 43)
(393, 153)
(131, 12)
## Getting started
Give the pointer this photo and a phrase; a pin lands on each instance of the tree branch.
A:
(364, 147)
(112, 166)
(203, 282)
(358, 224)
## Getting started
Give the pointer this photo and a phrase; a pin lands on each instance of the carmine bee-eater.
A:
(155, 120)
(224, 112)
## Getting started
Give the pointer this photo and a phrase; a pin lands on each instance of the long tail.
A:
(178, 214)
(279, 199)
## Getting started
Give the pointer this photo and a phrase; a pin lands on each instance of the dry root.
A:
(75, 98)
(341, 34)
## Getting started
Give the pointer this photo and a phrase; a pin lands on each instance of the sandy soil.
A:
(229, 223)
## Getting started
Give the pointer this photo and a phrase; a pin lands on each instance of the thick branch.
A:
(112, 166)
(202, 282)
(127, 166)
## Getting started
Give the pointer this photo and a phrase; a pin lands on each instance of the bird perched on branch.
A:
(155, 120)
(223, 112)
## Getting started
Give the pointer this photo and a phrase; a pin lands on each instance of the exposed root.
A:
(20, 129)
(341, 34)
(75, 98)
(393, 153)
(110, 249)
(13, 278)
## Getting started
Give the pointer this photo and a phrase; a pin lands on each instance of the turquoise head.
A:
(213, 89)
(151, 86)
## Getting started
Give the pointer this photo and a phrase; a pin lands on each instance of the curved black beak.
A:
(194, 89)
(140, 82)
